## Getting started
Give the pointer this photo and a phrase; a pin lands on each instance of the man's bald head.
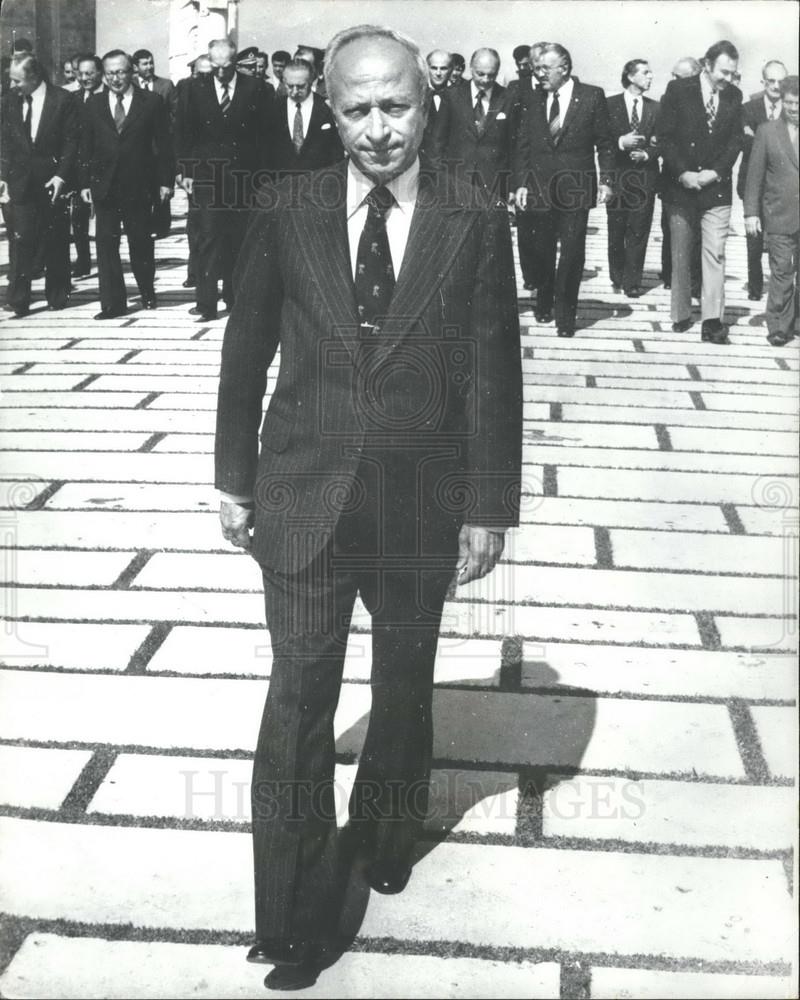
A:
(440, 66)
(484, 66)
(688, 66)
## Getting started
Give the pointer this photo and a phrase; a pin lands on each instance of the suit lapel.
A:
(136, 108)
(322, 233)
(48, 113)
(786, 142)
(573, 110)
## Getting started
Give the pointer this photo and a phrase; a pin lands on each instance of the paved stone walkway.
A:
(615, 739)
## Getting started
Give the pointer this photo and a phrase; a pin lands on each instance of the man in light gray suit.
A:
(389, 463)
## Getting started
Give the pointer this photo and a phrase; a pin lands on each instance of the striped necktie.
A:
(225, 102)
(635, 115)
(554, 118)
(773, 110)
(711, 113)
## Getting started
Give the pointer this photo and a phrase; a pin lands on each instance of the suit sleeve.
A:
(248, 349)
(165, 158)
(674, 161)
(184, 139)
(4, 139)
(70, 127)
(494, 452)
(603, 140)
(85, 146)
(727, 156)
(756, 174)
(747, 145)
(521, 147)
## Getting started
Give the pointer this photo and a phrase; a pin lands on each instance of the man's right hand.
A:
(689, 179)
(187, 183)
(752, 225)
(633, 140)
(521, 198)
(86, 195)
(236, 522)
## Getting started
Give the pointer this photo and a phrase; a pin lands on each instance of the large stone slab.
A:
(676, 417)
(611, 983)
(659, 672)
(96, 969)
(72, 645)
(110, 467)
(36, 778)
(697, 814)
(685, 907)
(79, 569)
(624, 513)
(701, 553)
(653, 458)
(777, 733)
(694, 487)
(771, 634)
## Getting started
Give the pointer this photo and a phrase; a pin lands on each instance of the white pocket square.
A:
(501, 116)
(324, 126)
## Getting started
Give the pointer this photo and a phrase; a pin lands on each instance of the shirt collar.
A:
(475, 92)
(564, 91)
(304, 101)
(707, 89)
(40, 91)
(404, 188)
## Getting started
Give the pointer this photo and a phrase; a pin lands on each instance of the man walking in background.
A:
(38, 150)
(633, 118)
(765, 107)
(772, 210)
(90, 80)
(125, 157)
(699, 151)
(562, 128)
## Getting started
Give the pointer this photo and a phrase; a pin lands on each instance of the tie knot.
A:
(380, 199)
(120, 98)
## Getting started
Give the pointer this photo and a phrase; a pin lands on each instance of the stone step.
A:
(71, 645)
(671, 486)
(117, 970)
(683, 907)
(613, 983)
(617, 734)
(651, 458)
(686, 673)
(38, 778)
(771, 634)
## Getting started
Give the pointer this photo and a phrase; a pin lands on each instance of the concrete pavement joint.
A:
(151, 644)
(734, 522)
(603, 549)
(748, 742)
(41, 498)
(575, 981)
(85, 382)
(23, 368)
(663, 438)
(707, 627)
(134, 567)
(92, 776)
(127, 357)
(152, 441)
(147, 400)
(549, 481)
(694, 373)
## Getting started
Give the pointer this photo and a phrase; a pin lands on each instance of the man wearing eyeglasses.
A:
(763, 107)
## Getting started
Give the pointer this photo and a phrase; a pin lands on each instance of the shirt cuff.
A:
(242, 501)
(619, 142)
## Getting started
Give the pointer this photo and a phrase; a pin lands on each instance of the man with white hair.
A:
(221, 140)
(389, 465)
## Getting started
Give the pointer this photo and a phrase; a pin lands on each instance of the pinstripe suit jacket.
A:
(440, 380)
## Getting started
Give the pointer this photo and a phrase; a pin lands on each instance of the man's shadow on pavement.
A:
(498, 749)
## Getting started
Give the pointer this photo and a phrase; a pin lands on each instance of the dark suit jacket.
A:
(634, 182)
(772, 180)
(26, 167)
(133, 164)
(165, 90)
(562, 174)
(321, 146)
(213, 148)
(456, 143)
(446, 365)
(686, 143)
(753, 114)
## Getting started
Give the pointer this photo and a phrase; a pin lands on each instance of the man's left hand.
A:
(236, 521)
(604, 194)
(706, 177)
(54, 186)
(752, 225)
(164, 193)
(478, 552)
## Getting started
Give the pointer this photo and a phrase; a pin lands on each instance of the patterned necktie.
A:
(773, 110)
(297, 128)
(119, 113)
(635, 115)
(711, 113)
(28, 116)
(480, 112)
(225, 102)
(374, 278)
(554, 118)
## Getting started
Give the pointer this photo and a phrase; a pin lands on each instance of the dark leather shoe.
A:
(273, 951)
(616, 287)
(189, 283)
(81, 270)
(566, 332)
(682, 325)
(110, 313)
(22, 311)
(667, 285)
(149, 302)
(714, 332)
(543, 317)
(754, 296)
(387, 877)
(292, 977)
(634, 293)
(204, 315)
(58, 306)
(779, 339)
(528, 286)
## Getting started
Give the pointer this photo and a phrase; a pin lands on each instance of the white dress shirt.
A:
(398, 223)
(37, 104)
(398, 218)
(127, 100)
(564, 97)
(73, 85)
(437, 100)
(231, 88)
(146, 84)
(306, 107)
